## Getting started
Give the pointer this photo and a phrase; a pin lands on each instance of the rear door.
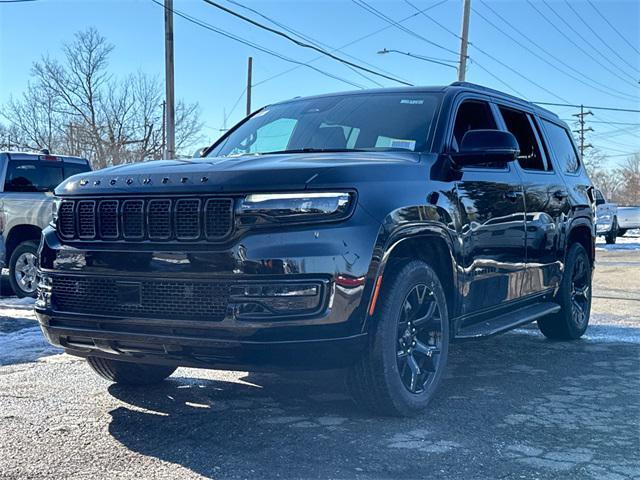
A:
(545, 198)
(492, 227)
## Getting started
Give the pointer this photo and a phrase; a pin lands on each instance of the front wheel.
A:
(574, 298)
(408, 347)
(129, 373)
(610, 237)
(23, 269)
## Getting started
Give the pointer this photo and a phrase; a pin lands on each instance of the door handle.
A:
(560, 194)
(512, 195)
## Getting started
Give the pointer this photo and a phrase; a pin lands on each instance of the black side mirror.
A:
(482, 146)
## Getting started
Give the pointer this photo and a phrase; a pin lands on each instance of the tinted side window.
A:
(599, 196)
(562, 147)
(518, 123)
(32, 176)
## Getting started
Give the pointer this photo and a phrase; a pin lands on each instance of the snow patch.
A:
(630, 241)
(25, 345)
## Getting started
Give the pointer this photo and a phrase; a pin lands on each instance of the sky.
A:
(590, 59)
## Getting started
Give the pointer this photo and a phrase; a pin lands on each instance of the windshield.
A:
(381, 121)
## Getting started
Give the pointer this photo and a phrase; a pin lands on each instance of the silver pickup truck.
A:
(613, 221)
(27, 181)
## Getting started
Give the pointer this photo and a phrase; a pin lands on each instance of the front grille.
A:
(148, 298)
(156, 219)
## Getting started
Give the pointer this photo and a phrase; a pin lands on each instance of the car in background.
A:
(606, 218)
(628, 219)
(27, 181)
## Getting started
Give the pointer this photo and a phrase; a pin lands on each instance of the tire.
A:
(129, 373)
(611, 236)
(23, 266)
(574, 298)
(383, 378)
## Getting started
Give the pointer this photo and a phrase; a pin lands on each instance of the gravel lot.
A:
(512, 407)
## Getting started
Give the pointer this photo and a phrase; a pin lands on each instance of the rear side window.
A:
(32, 176)
(562, 147)
(71, 169)
(518, 123)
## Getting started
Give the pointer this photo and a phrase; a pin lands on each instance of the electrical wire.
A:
(606, 89)
(302, 44)
(613, 109)
(236, 38)
(597, 35)
(613, 28)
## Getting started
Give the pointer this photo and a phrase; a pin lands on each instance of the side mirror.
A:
(482, 146)
(199, 152)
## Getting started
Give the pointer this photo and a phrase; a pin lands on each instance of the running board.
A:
(507, 321)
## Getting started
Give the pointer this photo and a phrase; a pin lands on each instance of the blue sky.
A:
(211, 69)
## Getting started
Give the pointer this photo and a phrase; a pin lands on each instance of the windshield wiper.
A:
(314, 150)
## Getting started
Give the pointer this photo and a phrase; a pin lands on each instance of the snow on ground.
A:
(21, 339)
(630, 241)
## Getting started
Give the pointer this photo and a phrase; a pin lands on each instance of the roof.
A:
(37, 156)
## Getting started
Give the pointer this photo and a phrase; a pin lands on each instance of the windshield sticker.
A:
(406, 144)
(409, 101)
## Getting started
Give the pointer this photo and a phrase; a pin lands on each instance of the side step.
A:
(507, 321)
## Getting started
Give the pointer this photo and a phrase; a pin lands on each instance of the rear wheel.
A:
(129, 373)
(610, 237)
(408, 349)
(574, 298)
(23, 269)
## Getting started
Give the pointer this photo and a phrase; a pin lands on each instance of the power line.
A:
(364, 5)
(597, 35)
(312, 40)
(613, 28)
(231, 36)
(353, 42)
(561, 32)
(17, 1)
(613, 109)
(490, 73)
(606, 89)
(303, 44)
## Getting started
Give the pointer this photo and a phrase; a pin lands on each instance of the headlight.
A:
(54, 210)
(296, 207)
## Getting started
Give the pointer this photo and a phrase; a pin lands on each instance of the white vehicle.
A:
(606, 218)
(628, 219)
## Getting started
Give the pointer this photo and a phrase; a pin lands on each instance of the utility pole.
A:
(170, 151)
(581, 130)
(249, 73)
(464, 40)
(164, 126)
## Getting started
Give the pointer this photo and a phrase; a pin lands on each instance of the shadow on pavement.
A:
(516, 403)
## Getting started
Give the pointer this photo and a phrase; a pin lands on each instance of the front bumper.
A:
(328, 334)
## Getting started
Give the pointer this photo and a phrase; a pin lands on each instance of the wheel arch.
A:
(19, 234)
(581, 231)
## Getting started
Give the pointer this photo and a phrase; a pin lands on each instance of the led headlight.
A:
(297, 207)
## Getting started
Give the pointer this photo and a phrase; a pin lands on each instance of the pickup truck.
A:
(613, 221)
(27, 181)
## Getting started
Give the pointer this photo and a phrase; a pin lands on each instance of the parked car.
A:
(606, 218)
(628, 219)
(27, 181)
(365, 230)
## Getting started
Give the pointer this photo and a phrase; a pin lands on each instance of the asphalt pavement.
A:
(516, 406)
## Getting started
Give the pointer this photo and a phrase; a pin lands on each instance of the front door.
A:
(492, 227)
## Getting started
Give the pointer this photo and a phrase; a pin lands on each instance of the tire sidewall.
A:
(385, 347)
(573, 329)
(24, 247)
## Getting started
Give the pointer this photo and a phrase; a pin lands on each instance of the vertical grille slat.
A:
(218, 218)
(133, 219)
(66, 219)
(108, 219)
(159, 219)
(187, 215)
(183, 219)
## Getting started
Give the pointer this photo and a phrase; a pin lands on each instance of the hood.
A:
(240, 174)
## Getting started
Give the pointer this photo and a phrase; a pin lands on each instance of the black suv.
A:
(365, 230)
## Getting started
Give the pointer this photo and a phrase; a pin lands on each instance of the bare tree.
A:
(630, 179)
(75, 106)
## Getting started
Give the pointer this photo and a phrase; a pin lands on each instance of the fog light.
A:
(276, 298)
